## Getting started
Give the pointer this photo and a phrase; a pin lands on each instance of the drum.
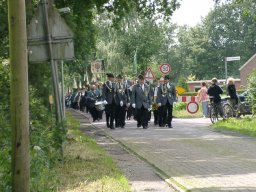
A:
(99, 105)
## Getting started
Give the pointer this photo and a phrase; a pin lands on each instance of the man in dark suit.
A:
(121, 102)
(108, 94)
(166, 96)
(141, 100)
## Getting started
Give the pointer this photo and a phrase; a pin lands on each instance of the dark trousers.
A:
(129, 112)
(156, 114)
(165, 114)
(142, 116)
(94, 113)
(110, 114)
(120, 116)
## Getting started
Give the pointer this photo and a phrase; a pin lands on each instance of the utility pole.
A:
(19, 95)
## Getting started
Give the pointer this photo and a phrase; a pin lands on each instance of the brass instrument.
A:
(154, 106)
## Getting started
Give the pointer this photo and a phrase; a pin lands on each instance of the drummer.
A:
(92, 96)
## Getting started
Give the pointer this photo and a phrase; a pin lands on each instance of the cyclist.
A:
(214, 91)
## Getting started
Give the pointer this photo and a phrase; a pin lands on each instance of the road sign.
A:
(165, 68)
(233, 58)
(192, 107)
(180, 90)
(149, 74)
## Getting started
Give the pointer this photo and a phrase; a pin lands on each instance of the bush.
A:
(180, 106)
(189, 94)
(252, 89)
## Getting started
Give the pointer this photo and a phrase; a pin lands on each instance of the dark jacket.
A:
(140, 97)
(232, 91)
(108, 92)
(169, 94)
(215, 91)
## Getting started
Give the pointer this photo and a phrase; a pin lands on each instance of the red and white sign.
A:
(149, 74)
(192, 107)
(187, 99)
(165, 68)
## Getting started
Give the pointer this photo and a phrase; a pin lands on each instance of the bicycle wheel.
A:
(213, 115)
(228, 110)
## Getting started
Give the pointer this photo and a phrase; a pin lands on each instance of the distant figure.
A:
(231, 91)
(203, 98)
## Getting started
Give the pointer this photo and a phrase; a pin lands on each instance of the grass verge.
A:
(87, 167)
(245, 125)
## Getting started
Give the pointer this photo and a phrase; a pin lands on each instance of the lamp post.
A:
(236, 58)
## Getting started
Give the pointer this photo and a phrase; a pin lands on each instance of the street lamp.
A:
(236, 58)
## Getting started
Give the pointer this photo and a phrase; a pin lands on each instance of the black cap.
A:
(166, 77)
(119, 76)
(110, 75)
(141, 77)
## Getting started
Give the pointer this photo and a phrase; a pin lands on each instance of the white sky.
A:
(191, 11)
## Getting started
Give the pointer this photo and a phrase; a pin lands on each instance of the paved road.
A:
(194, 155)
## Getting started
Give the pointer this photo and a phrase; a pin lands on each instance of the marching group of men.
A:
(121, 98)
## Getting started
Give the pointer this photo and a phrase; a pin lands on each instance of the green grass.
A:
(87, 167)
(245, 125)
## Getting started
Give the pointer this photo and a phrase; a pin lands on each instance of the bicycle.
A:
(214, 111)
(241, 108)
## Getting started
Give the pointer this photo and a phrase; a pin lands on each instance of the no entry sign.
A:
(165, 68)
(192, 107)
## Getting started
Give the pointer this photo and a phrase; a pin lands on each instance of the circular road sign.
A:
(192, 107)
(165, 68)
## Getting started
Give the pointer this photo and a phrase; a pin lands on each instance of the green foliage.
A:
(189, 94)
(180, 106)
(182, 82)
(252, 89)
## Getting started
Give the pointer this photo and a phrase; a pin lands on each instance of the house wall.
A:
(245, 71)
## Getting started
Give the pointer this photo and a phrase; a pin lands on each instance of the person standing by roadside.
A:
(141, 100)
(166, 96)
(203, 98)
(231, 91)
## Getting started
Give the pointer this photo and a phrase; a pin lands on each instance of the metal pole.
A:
(226, 69)
(53, 67)
(62, 85)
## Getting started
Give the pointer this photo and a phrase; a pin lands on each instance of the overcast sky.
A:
(191, 11)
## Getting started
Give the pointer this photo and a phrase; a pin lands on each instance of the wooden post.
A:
(19, 95)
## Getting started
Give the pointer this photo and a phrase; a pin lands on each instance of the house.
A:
(246, 69)
(194, 86)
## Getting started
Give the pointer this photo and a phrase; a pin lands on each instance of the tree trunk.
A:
(19, 95)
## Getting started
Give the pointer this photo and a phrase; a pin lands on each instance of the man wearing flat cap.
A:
(108, 94)
(141, 101)
(166, 96)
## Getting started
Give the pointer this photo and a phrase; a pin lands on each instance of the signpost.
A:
(236, 58)
(165, 68)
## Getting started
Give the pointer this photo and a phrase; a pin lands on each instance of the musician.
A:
(121, 102)
(108, 92)
(141, 100)
(166, 95)
(92, 96)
